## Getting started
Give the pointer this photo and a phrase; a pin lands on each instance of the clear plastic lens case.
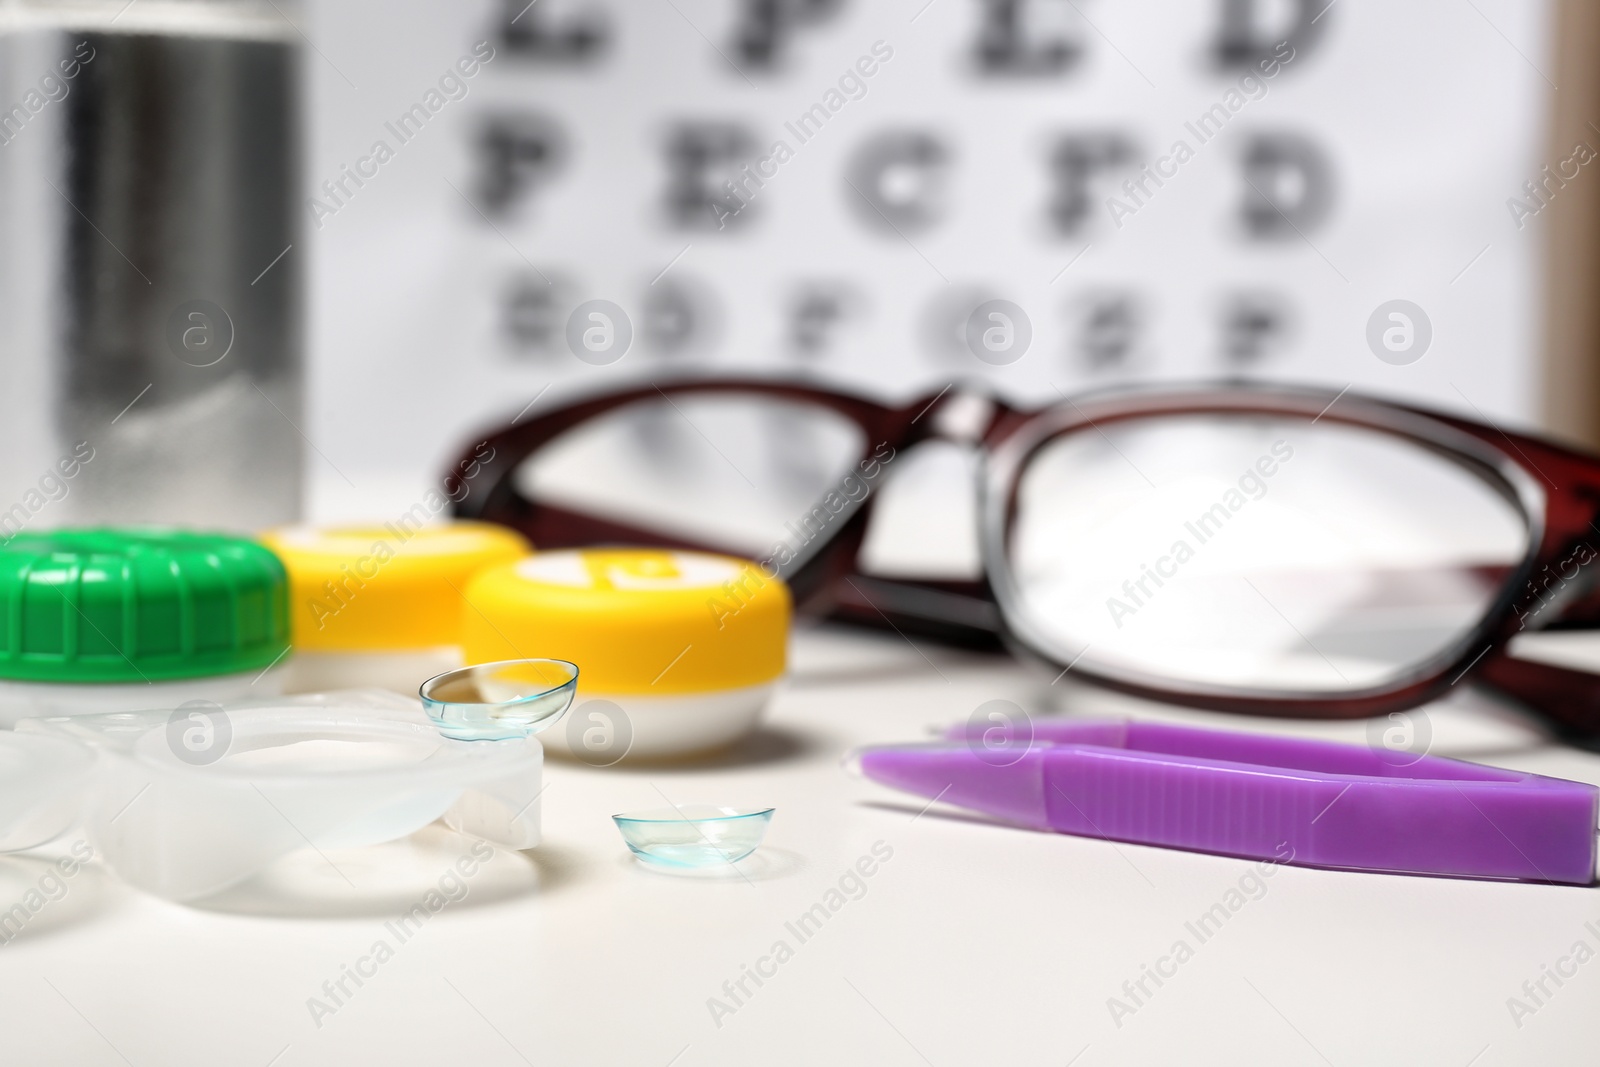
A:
(189, 801)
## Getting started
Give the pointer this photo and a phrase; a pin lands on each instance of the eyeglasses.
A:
(1244, 548)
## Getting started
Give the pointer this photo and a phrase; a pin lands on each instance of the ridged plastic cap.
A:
(385, 588)
(138, 605)
(635, 621)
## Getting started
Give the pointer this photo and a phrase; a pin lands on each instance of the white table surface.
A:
(971, 944)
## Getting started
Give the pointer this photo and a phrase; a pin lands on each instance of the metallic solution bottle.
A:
(150, 278)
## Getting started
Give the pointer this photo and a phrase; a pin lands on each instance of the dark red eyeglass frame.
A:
(1556, 488)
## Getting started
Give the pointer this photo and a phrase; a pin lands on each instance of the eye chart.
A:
(1044, 195)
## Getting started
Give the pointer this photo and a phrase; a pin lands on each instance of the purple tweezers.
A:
(1311, 803)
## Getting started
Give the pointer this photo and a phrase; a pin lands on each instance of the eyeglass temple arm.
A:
(1562, 594)
(1568, 699)
(1563, 590)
